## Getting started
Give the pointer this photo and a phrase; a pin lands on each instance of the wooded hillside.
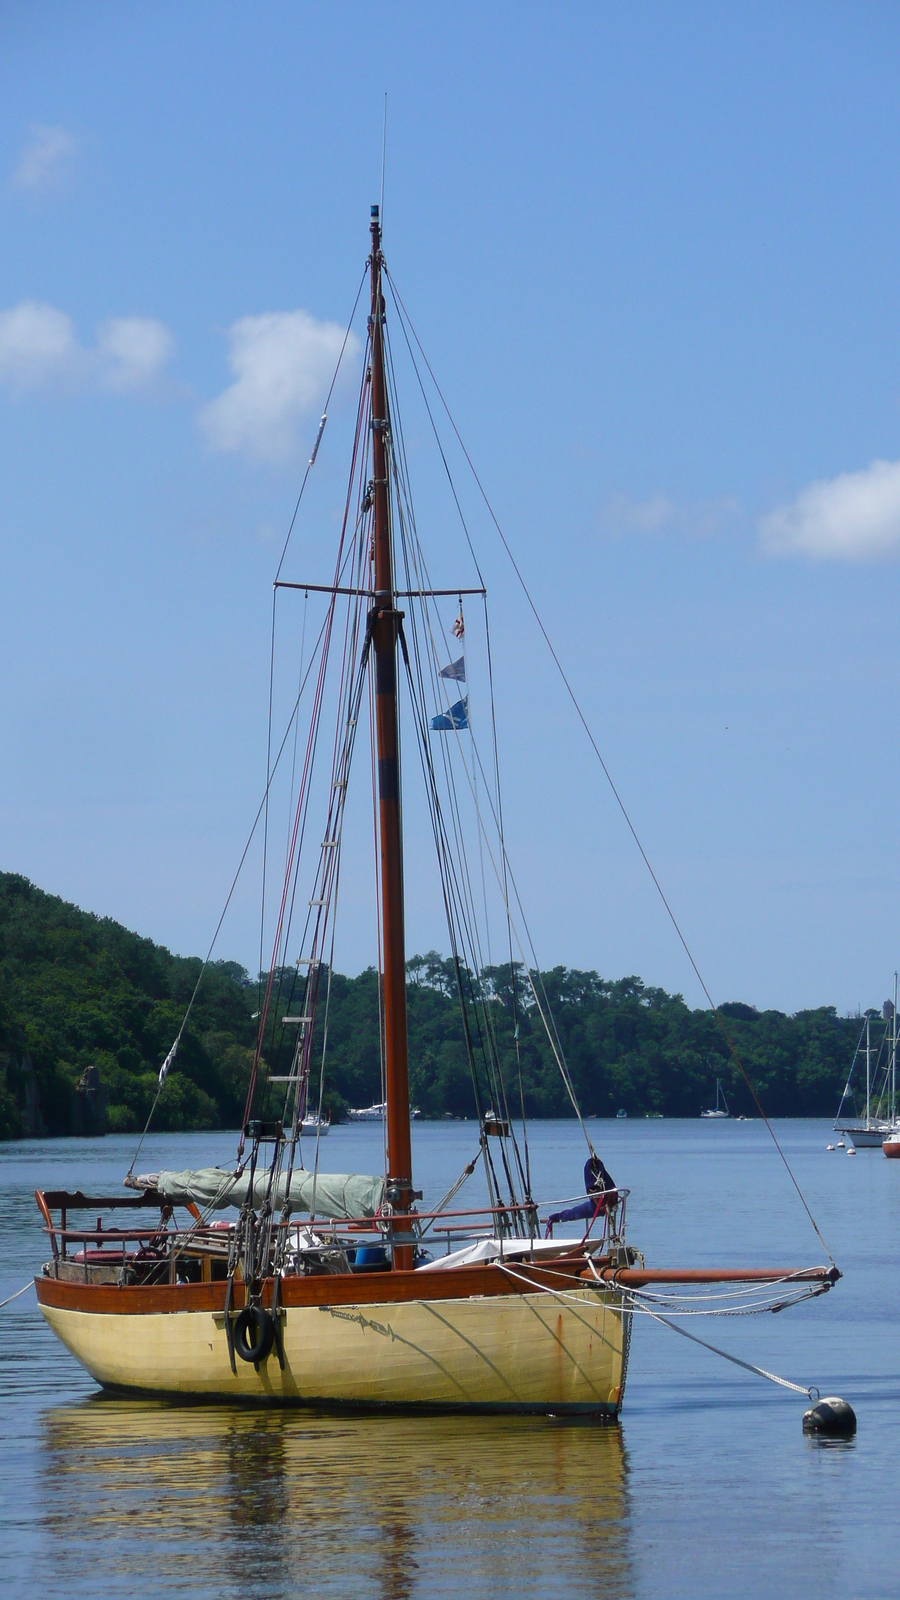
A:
(88, 1012)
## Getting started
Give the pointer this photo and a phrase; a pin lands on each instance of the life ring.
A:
(253, 1334)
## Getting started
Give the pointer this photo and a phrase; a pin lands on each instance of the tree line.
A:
(89, 1010)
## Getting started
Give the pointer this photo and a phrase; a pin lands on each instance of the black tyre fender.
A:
(253, 1334)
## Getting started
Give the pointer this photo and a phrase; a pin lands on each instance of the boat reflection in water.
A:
(213, 1499)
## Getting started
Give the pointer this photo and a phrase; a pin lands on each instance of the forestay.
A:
(329, 1194)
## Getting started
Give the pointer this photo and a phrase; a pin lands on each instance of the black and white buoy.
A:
(830, 1416)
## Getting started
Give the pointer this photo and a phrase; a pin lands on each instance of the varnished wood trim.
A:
(45, 1213)
(639, 1277)
(329, 1289)
(76, 1200)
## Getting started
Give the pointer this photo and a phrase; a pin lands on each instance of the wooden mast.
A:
(385, 628)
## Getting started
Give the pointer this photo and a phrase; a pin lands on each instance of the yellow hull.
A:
(532, 1352)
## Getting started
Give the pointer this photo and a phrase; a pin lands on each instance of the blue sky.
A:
(652, 253)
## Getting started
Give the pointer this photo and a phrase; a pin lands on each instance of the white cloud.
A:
(46, 159)
(133, 352)
(624, 515)
(853, 517)
(38, 346)
(283, 362)
(658, 512)
(39, 349)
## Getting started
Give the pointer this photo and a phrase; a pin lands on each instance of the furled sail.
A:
(333, 1194)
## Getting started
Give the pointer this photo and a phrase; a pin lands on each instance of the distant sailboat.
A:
(879, 1120)
(721, 1108)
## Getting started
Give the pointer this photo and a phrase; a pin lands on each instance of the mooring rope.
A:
(810, 1391)
(12, 1297)
(798, 1388)
(760, 1372)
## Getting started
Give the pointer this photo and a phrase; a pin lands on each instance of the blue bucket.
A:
(370, 1255)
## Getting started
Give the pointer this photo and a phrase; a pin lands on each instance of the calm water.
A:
(707, 1487)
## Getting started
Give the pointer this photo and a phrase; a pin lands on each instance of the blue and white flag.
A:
(450, 721)
(456, 669)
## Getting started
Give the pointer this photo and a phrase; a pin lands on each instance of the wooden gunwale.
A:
(328, 1289)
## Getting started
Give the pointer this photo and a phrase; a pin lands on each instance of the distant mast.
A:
(385, 628)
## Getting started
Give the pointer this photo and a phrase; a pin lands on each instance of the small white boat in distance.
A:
(721, 1110)
(375, 1114)
(318, 1126)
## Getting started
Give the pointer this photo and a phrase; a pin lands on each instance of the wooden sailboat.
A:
(345, 1306)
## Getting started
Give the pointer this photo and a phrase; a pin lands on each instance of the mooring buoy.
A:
(829, 1147)
(851, 1151)
(831, 1415)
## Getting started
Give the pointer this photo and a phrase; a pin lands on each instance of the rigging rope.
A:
(457, 881)
(171, 1055)
(738, 1302)
(298, 832)
(315, 450)
(405, 318)
(454, 871)
(761, 1372)
(270, 770)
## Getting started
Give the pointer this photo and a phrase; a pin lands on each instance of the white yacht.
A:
(721, 1106)
(880, 1119)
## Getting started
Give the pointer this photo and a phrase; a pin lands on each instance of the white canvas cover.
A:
(337, 1194)
(505, 1250)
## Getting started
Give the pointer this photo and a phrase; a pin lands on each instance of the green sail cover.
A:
(335, 1194)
